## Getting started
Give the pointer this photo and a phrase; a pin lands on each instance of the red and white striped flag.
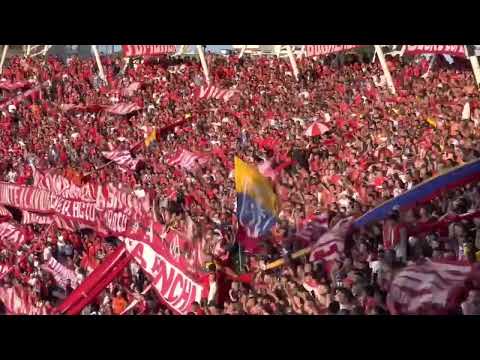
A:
(12, 235)
(187, 159)
(123, 108)
(314, 228)
(331, 245)
(12, 86)
(5, 215)
(429, 288)
(122, 158)
(18, 301)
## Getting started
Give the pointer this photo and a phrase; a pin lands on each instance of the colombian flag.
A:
(257, 203)
(151, 137)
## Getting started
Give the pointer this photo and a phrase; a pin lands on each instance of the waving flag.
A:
(186, 159)
(314, 228)
(151, 137)
(431, 287)
(12, 235)
(123, 158)
(257, 203)
(5, 215)
(123, 109)
(331, 245)
(12, 86)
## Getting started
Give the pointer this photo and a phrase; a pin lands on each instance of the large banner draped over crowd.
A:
(110, 212)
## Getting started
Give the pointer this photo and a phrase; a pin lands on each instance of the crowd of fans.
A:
(378, 146)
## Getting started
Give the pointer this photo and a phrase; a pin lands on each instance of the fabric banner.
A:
(431, 287)
(315, 228)
(60, 273)
(18, 301)
(31, 93)
(5, 215)
(453, 50)
(212, 91)
(12, 86)
(93, 108)
(122, 158)
(458, 176)
(34, 218)
(148, 50)
(12, 235)
(177, 289)
(331, 245)
(187, 160)
(319, 50)
(123, 108)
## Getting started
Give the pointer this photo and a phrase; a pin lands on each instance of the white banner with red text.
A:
(148, 50)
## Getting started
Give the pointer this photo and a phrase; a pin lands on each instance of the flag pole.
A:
(201, 54)
(475, 66)
(293, 62)
(99, 62)
(386, 71)
(4, 55)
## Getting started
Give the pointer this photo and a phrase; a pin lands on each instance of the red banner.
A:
(176, 288)
(148, 50)
(320, 50)
(18, 301)
(33, 218)
(60, 273)
(211, 91)
(453, 50)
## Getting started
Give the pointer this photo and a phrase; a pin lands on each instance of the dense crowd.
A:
(377, 147)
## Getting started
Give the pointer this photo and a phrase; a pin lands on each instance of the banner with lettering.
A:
(148, 50)
(212, 91)
(453, 50)
(177, 289)
(61, 274)
(321, 50)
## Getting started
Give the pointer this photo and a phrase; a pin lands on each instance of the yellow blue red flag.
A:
(257, 203)
(151, 137)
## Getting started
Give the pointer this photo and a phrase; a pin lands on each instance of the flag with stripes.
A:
(12, 86)
(19, 301)
(314, 229)
(122, 158)
(428, 288)
(5, 215)
(123, 108)
(11, 235)
(187, 160)
(331, 245)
